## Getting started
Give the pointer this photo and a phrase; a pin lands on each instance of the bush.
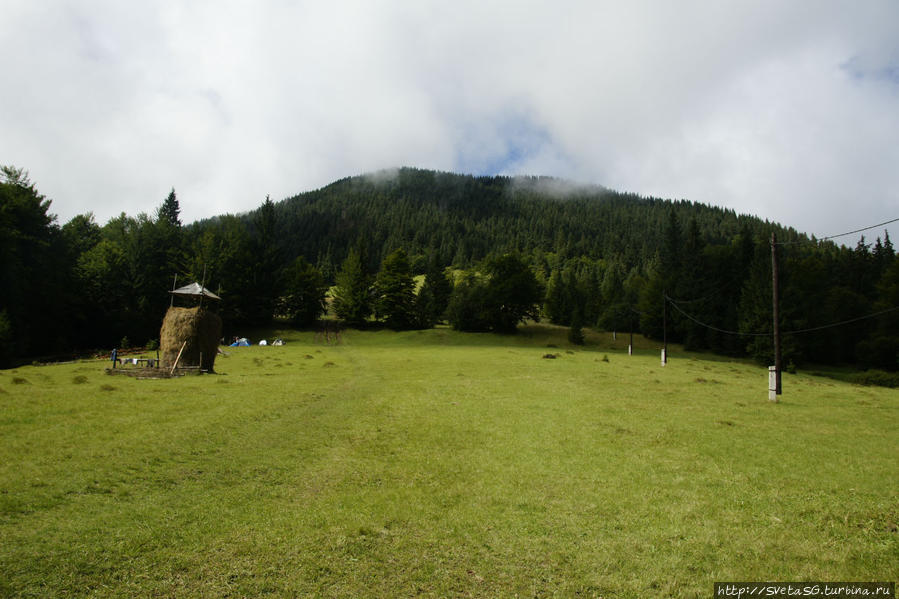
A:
(877, 378)
(881, 353)
(576, 335)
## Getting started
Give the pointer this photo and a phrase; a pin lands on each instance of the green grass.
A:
(440, 464)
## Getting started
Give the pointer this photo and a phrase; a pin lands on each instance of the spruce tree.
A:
(170, 210)
(305, 289)
(394, 296)
(434, 295)
(352, 295)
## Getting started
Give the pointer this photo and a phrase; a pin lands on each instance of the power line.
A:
(837, 324)
(717, 292)
(712, 327)
(842, 234)
(795, 332)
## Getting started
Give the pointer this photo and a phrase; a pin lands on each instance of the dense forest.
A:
(493, 251)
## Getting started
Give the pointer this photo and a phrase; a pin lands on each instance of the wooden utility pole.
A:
(664, 327)
(775, 292)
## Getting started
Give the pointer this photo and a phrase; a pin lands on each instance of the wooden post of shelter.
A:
(174, 286)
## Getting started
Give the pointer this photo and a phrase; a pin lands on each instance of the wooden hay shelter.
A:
(191, 333)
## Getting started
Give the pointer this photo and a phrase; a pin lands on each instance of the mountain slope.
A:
(463, 218)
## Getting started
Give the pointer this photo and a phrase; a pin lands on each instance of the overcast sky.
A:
(785, 110)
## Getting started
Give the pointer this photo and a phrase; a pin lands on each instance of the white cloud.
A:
(784, 110)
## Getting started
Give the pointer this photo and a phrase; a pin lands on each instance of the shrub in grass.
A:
(879, 378)
(576, 335)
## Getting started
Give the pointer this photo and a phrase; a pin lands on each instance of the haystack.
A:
(198, 330)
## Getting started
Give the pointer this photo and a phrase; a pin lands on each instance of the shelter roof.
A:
(194, 290)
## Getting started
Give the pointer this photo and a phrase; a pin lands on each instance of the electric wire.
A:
(839, 324)
(718, 292)
(714, 328)
(794, 332)
(840, 234)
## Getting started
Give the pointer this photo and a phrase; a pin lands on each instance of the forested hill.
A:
(595, 257)
(462, 219)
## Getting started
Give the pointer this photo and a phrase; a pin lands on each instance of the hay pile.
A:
(200, 328)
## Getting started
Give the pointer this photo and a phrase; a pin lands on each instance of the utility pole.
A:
(775, 292)
(664, 327)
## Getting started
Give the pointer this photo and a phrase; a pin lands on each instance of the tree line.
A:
(411, 248)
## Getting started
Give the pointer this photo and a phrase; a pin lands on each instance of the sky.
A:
(784, 110)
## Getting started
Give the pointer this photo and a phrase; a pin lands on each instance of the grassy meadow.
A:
(441, 464)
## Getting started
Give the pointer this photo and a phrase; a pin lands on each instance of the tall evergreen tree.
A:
(266, 280)
(394, 296)
(305, 289)
(352, 292)
(556, 305)
(170, 210)
(32, 265)
(434, 296)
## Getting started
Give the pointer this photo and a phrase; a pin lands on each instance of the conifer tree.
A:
(170, 210)
(434, 295)
(394, 301)
(305, 289)
(352, 294)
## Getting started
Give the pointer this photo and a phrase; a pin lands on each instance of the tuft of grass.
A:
(18, 380)
(79, 379)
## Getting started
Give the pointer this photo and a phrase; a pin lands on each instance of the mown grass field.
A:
(439, 464)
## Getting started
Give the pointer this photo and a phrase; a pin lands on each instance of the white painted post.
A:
(664, 357)
(614, 335)
(772, 384)
(630, 349)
